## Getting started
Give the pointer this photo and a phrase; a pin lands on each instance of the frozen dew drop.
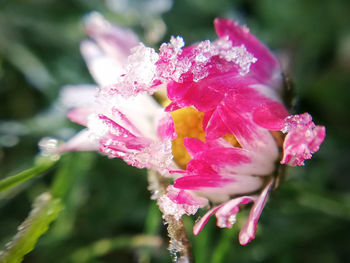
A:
(49, 147)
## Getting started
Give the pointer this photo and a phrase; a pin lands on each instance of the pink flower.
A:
(221, 130)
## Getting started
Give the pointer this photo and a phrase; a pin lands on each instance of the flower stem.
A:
(179, 245)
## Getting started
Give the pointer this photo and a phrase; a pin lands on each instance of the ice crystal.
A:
(169, 207)
(170, 65)
(139, 73)
(174, 64)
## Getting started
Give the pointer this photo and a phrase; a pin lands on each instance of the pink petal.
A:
(222, 156)
(220, 185)
(194, 145)
(226, 120)
(114, 128)
(247, 233)
(199, 167)
(206, 94)
(200, 182)
(218, 156)
(201, 95)
(303, 139)
(226, 214)
(138, 114)
(267, 65)
(270, 115)
(201, 223)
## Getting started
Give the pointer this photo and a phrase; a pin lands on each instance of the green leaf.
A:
(41, 166)
(45, 210)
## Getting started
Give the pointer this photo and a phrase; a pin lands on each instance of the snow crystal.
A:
(170, 66)
(140, 72)
(238, 54)
(141, 64)
(173, 64)
(223, 48)
(177, 43)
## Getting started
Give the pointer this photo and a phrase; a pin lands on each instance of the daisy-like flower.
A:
(219, 129)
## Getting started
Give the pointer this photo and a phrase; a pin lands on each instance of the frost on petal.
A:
(160, 156)
(141, 64)
(139, 76)
(205, 62)
(179, 202)
(170, 66)
(247, 233)
(138, 114)
(198, 61)
(97, 127)
(116, 141)
(237, 54)
(267, 68)
(303, 139)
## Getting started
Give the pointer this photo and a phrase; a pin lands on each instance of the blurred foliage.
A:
(45, 210)
(107, 213)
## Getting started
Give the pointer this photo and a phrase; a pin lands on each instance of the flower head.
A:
(220, 130)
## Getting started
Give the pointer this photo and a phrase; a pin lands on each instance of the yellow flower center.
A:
(189, 123)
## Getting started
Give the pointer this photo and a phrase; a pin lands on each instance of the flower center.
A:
(189, 123)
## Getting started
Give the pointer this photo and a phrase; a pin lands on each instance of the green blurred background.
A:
(108, 215)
